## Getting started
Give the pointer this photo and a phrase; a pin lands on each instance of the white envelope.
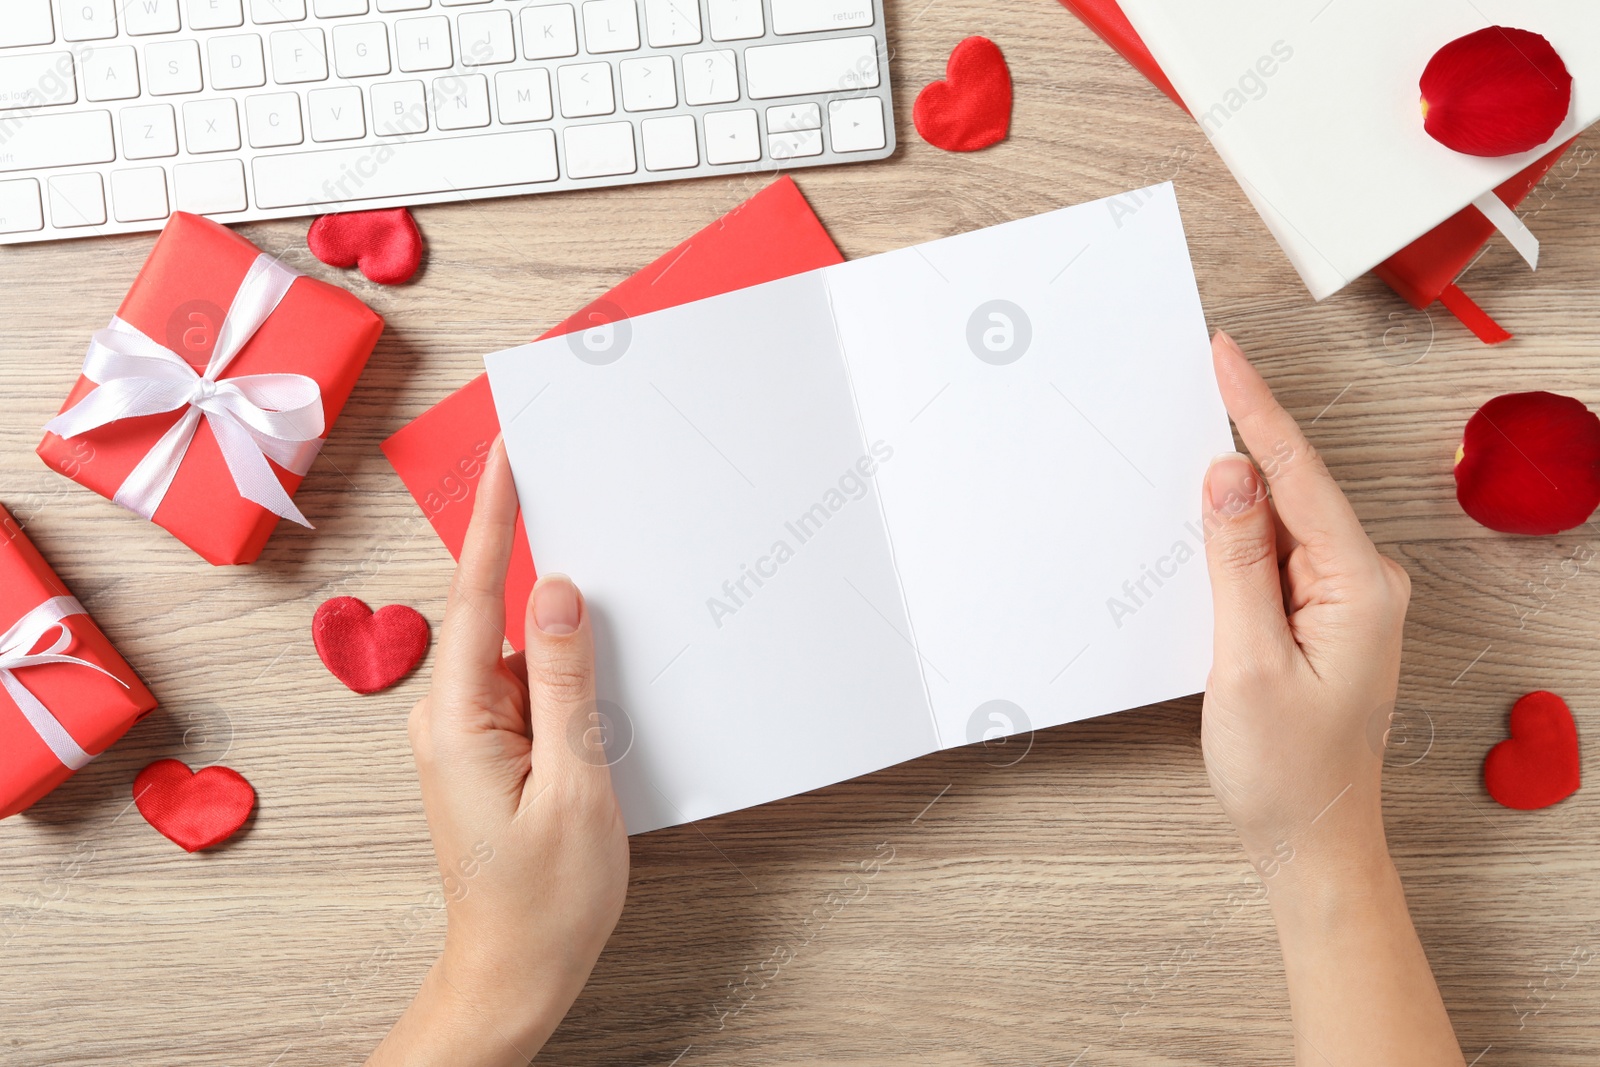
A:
(941, 495)
(1314, 106)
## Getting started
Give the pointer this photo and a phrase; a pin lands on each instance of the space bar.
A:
(405, 168)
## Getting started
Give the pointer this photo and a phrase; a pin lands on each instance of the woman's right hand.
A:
(1305, 668)
(1307, 646)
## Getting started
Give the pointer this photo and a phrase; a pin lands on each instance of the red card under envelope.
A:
(440, 454)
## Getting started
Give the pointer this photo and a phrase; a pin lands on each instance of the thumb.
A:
(568, 729)
(1242, 554)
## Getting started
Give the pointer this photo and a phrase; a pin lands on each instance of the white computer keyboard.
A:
(115, 113)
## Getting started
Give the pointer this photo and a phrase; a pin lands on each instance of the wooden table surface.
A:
(1085, 906)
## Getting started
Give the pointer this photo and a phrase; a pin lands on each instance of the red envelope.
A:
(94, 709)
(179, 299)
(440, 454)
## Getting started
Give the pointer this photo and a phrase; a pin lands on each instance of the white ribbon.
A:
(253, 416)
(14, 656)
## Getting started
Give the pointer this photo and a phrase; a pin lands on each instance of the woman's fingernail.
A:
(1232, 484)
(557, 607)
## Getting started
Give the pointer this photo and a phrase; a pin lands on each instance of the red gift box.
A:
(65, 693)
(256, 421)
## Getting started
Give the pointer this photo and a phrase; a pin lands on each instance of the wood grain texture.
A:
(1087, 905)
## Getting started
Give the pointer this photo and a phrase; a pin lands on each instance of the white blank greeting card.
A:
(1315, 107)
(837, 521)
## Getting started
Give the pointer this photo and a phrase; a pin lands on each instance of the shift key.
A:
(37, 142)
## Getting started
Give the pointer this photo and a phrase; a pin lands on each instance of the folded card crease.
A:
(832, 522)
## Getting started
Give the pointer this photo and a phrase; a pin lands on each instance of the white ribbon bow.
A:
(14, 656)
(252, 417)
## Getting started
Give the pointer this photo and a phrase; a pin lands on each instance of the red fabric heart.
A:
(1529, 463)
(385, 244)
(971, 107)
(193, 809)
(369, 651)
(1538, 765)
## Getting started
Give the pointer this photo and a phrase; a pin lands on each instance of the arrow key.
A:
(856, 125)
(732, 137)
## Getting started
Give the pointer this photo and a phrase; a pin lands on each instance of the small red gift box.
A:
(65, 693)
(202, 405)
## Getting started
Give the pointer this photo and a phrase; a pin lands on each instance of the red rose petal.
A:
(1495, 92)
(1530, 464)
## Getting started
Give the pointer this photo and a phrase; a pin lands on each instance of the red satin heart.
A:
(369, 651)
(971, 107)
(197, 809)
(385, 244)
(1538, 765)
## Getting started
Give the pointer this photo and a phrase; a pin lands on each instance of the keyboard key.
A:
(402, 5)
(549, 32)
(299, 56)
(460, 3)
(20, 211)
(172, 67)
(461, 102)
(336, 114)
(610, 26)
(77, 200)
(272, 12)
(211, 126)
(523, 95)
(423, 44)
(586, 90)
(26, 22)
(142, 17)
(405, 168)
(856, 125)
(111, 73)
(139, 195)
(669, 143)
(88, 20)
(782, 118)
(486, 38)
(212, 188)
(237, 62)
(361, 50)
(711, 77)
(735, 20)
(274, 120)
(807, 67)
(670, 22)
(39, 142)
(149, 132)
(810, 16)
(215, 14)
(399, 107)
(334, 9)
(37, 80)
(599, 151)
(781, 146)
(647, 84)
(731, 137)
